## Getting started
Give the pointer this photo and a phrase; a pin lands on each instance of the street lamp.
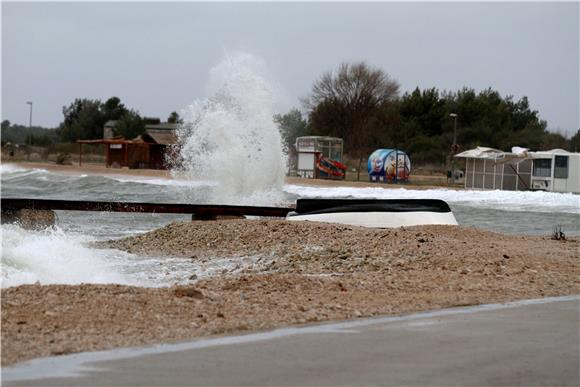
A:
(454, 127)
(454, 146)
(29, 126)
(30, 117)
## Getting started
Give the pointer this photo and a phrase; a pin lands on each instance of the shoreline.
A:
(307, 274)
(417, 182)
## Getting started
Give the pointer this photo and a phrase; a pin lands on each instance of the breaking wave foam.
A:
(52, 257)
(230, 138)
(10, 168)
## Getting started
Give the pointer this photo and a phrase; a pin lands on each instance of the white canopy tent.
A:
(554, 170)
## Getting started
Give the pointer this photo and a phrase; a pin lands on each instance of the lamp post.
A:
(454, 115)
(453, 146)
(30, 117)
(29, 126)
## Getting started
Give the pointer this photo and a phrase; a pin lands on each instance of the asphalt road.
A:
(527, 343)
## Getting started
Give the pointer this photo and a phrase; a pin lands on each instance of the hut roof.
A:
(482, 153)
(162, 136)
(162, 126)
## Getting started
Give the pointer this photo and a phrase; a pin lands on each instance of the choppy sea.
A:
(63, 254)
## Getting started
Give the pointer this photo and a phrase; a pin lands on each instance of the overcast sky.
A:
(156, 56)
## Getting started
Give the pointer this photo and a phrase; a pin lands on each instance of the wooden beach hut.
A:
(147, 151)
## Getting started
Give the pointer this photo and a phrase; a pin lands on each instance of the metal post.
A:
(125, 158)
(494, 166)
(396, 165)
(473, 179)
(466, 171)
(455, 129)
(454, 115)
(30, 116)
(30, 134)
(517, 174)
(484, 172)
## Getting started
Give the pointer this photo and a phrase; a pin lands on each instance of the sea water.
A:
(64, 254)
(231, 154)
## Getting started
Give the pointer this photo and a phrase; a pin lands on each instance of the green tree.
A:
(424, 120)
(174, 118)
(291, 125)
(38, 139)
(575, 142)
(555, 141)
(20, 134)
(483, 119)
(426, 108)
(113, 109)
(130, 125)
(347, 103)
(83, 119)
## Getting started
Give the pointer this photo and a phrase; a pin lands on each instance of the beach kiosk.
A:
(320, 157)
(555, 170)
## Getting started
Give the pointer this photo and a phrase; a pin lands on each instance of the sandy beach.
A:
(305, 273)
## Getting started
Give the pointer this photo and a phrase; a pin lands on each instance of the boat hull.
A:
(374, 213)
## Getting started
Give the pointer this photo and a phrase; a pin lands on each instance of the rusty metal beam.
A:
(201, 211)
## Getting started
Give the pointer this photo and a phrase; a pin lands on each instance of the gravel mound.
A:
(310, 272)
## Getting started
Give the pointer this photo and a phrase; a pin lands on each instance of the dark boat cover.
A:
(326, 206)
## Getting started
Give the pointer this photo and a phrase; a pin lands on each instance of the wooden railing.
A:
(199, 211)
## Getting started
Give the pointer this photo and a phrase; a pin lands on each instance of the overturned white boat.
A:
(379, 213)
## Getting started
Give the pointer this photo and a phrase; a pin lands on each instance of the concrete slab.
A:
(535, 342)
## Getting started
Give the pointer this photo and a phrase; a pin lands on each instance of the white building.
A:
(556, 170)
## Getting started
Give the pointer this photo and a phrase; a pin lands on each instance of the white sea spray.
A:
(52, 257)
(230, 138)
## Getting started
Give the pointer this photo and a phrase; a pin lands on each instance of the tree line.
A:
(84, 119)
(362, 105)
(35, 135)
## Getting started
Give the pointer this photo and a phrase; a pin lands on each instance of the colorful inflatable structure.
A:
(329, 169)
(320, 158)
(389, 166)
